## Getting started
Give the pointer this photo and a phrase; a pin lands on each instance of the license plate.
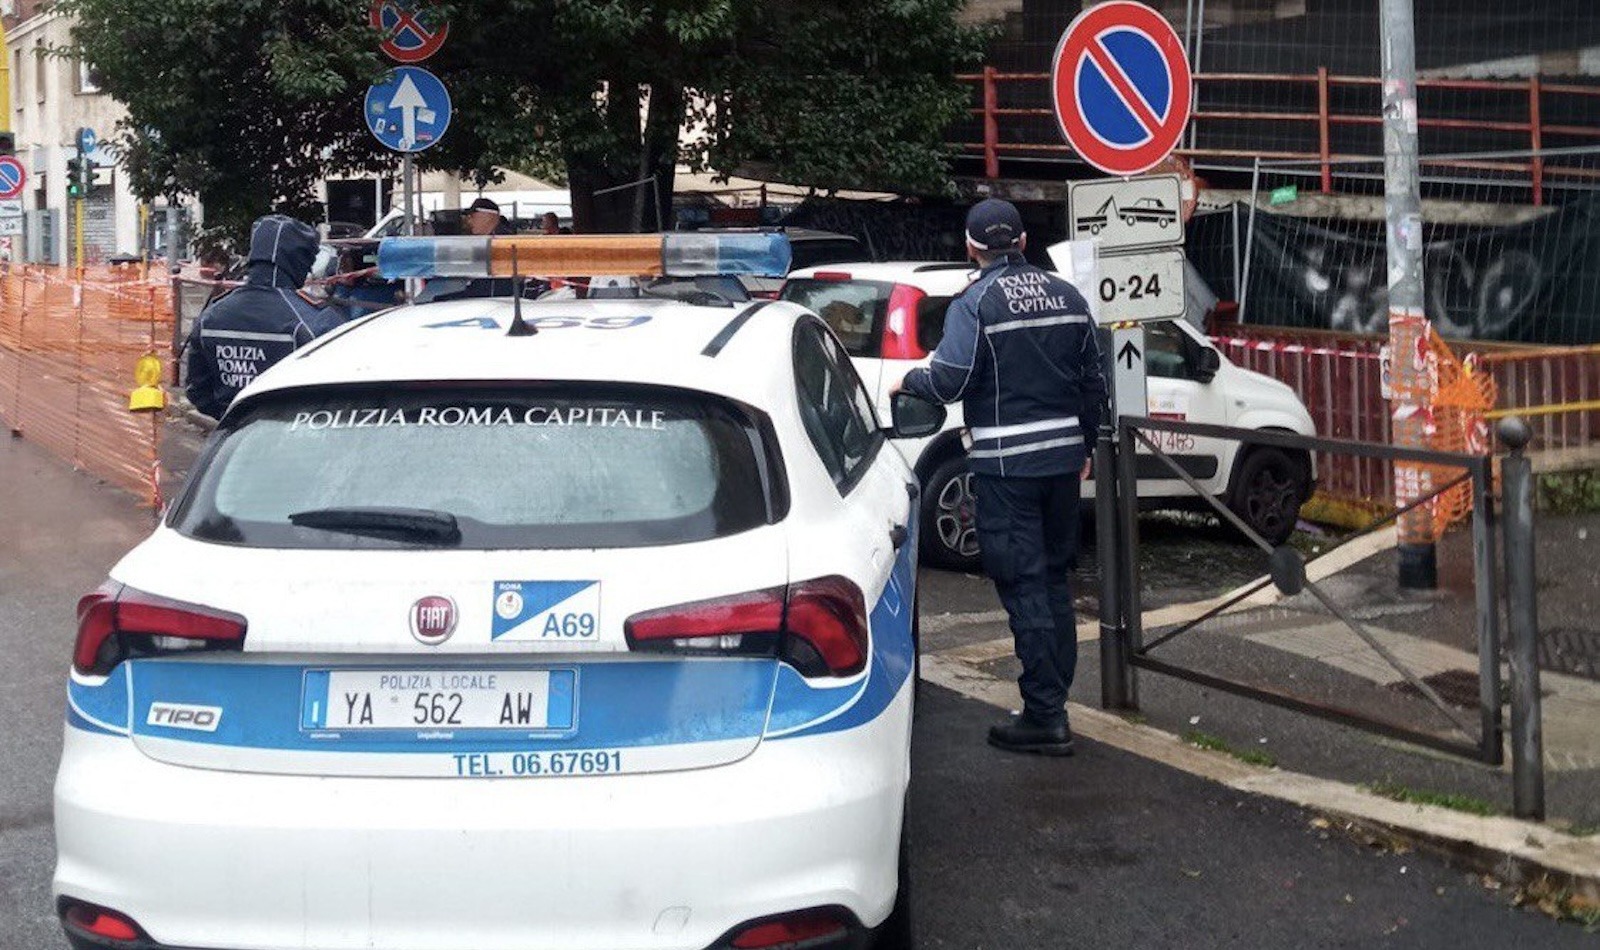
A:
(428, 700)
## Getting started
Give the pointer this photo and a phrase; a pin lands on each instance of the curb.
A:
(1519, 852)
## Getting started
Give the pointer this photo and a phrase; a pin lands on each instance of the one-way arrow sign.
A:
(1129, 392)
(407, 100)
(409, 110)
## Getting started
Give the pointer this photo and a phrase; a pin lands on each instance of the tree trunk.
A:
(631, 157)
(659, 157)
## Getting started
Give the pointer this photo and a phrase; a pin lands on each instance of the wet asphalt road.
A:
(1101, 850)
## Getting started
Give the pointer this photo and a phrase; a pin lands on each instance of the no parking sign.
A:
(412, 30)
(12, 178)
(1120, 87)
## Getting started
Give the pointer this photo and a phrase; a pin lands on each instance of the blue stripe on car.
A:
(620, 704)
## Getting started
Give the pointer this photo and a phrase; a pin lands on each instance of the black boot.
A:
(1022, 735)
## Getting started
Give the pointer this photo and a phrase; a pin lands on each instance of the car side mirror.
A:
(1209, 362)
(913, 416)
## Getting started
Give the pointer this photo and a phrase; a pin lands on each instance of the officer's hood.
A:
(281, 252)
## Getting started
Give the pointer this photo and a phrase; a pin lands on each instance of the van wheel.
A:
(1268, 491)
(950, 517)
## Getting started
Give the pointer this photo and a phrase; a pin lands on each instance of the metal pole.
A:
(1236, 249)
(1113, 661)
(1408, 322)
(1485, 573)
(1250, 235)
(173, 269)
(405, 180)
(1196, 68)
(1522, 609)
(1128, 570)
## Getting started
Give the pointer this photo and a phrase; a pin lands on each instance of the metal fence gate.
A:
(1125, 649)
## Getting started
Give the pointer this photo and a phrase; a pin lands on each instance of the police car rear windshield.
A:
(483, 468)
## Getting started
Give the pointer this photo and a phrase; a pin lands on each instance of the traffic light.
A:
(76, 177)
(8, 143)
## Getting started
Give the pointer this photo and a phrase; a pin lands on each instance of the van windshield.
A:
(507, 467)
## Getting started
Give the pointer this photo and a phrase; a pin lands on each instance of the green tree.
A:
(248, 103)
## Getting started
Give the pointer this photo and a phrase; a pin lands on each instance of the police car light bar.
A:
(583, 255)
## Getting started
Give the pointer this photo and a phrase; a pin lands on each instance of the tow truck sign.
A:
(1127, 214)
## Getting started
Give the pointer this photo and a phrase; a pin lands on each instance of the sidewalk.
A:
(1294, 646)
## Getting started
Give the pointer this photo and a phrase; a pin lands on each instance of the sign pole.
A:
(1409, 335)
(1114, 692)
(405, 178)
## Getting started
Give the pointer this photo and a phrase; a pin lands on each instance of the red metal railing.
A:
(1533, 93)
(1338, 377)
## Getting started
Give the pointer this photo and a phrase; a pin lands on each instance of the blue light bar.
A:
(400, 257)
(687, 254)
(629, 255)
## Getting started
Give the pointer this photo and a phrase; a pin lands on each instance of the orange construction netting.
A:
(68, 345)
(1462, 392)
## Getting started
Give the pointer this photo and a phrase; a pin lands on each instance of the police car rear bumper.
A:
(209, 859)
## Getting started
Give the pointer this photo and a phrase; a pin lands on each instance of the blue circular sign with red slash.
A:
(412, 31)
(1119, 84)
(12, 178)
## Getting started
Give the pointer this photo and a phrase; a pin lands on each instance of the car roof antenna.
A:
(519, 326)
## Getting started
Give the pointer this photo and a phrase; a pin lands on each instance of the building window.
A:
(39, 66)
(16, 73)
(86, 86)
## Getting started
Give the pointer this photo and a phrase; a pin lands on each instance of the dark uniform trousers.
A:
(1028, 531)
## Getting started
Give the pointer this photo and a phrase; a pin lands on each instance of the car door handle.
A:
(898, 535)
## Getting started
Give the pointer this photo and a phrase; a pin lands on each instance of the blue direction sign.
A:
(409, 110)
(87, 140)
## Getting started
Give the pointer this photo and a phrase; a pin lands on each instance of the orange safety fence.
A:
(69, 342)
(1343, 381)
(1462, 391)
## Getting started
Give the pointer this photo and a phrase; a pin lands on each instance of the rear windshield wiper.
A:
(423, 524)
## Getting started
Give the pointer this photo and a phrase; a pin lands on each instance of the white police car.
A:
(589, 624)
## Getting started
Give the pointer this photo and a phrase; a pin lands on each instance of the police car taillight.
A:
(741, 623)
(823, 926)
(117, 621)
(818, 626)
(99, 924)
(826, 627)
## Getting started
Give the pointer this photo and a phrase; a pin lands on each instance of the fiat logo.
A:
(433, 619)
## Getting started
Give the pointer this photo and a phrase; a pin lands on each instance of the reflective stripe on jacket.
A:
(1019, 351)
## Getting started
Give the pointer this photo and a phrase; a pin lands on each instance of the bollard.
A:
(1522, 610)
(1113, 663)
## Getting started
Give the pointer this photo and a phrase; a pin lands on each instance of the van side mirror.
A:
(913, 416)
(1207, 365)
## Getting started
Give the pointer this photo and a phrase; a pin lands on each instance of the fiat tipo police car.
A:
(491, 624)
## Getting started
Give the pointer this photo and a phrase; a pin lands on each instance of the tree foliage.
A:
(248, 103)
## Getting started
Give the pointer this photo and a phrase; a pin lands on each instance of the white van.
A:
(890, 317)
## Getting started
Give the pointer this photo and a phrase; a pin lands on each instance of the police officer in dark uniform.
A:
(1019, 351)
(247, 330)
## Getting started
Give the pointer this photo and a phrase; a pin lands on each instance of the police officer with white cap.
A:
(1019, 352)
